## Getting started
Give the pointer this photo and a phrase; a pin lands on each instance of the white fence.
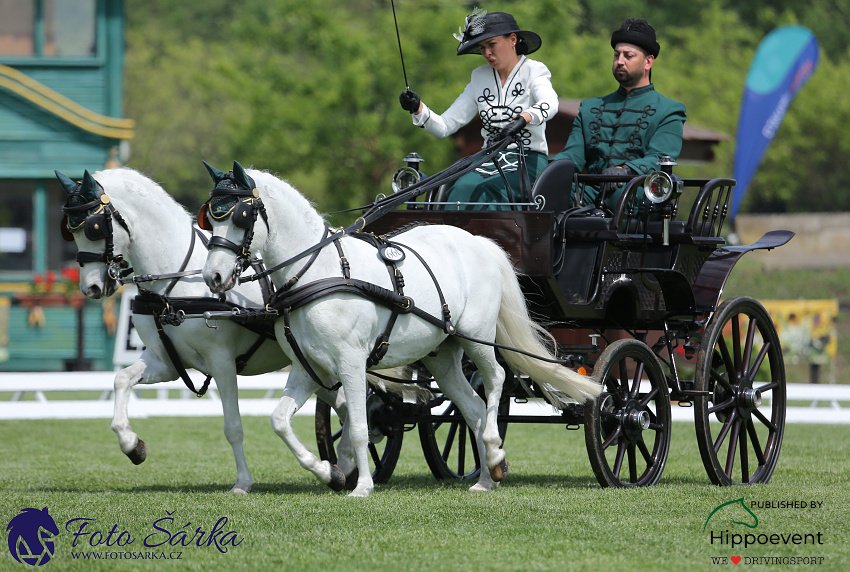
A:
(32, 396)
(30, 399)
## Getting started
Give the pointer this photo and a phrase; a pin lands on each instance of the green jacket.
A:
(633, 128)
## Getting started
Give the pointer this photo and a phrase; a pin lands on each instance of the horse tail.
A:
(398, 382)
(516, 329)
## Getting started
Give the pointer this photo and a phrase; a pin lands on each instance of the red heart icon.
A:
(736, 559)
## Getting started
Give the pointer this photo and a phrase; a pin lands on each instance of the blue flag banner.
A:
(784, 60)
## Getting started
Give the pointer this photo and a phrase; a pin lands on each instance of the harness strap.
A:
(186, 258)
(291, 282)
(296, 349)
(242, 360)
(176, 361)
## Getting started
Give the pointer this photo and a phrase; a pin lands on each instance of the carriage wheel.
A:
(627, 428)
(449, 445)
(740, 365)
(385, 438)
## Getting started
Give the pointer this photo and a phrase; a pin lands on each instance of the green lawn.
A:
(549, 514)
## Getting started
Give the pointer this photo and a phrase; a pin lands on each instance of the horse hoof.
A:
(337, 479)
(499, 472)
(139, 453)
(351, 480)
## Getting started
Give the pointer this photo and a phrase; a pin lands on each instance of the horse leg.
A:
(146, 370)
(354, 383)
(344, 451)
(446, 369)
(229, 394)
(493, 375)
(299, 387)
(129, 442)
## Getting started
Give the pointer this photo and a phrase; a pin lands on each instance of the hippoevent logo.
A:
(31, 536)
(32, 533)
(734, 526)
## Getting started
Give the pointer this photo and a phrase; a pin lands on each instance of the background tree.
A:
(309, 91)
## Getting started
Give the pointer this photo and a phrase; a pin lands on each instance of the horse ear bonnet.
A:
(242, 177)
(214, 173)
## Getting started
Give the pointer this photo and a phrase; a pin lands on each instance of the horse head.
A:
(89, 209)
(30, 536)
(231, 214)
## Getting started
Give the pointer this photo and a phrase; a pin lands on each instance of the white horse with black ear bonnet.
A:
(126, 217)
(465, 283)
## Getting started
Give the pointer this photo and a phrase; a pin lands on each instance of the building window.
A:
(16, 225)
(48, 28)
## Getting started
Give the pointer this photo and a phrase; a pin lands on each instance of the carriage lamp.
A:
(662, 188)
(409, 174)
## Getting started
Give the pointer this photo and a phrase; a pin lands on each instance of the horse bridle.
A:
(96, 225)
(227, 199)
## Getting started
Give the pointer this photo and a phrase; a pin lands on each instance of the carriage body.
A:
(623, 275)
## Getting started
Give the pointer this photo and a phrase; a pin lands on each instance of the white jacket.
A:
(528, 89)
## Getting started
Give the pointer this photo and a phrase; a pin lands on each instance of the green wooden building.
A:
(61, 66)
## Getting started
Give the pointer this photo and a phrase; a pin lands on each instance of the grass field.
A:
(549, 514)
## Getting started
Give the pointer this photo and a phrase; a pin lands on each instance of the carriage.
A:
(632, 297)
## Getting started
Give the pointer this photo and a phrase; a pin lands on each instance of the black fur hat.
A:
(636, 31)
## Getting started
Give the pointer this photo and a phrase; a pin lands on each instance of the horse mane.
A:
(277, 187)
(125, 182)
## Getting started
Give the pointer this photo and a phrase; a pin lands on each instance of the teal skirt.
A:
(485, 184)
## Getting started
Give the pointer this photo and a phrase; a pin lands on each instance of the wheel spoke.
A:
(745, 457)
(747, 354)
(647, 398)
(618, 462)
(376, 458)
(756, 366)
(653, 421)
(765, 421)
(613, 437)
(728, 362)
(725, 430)
(633, 476)
(736, 342)
(450, 439)
(722, 405)
(461, 452)
(754, 439)
(768, 387)
(450, 410)
(647, 456)
(633, 393)
(733, 446)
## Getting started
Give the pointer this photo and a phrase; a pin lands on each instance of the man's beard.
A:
(626, 79)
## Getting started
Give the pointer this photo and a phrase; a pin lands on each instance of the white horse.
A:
(336, 333)
(157, 241)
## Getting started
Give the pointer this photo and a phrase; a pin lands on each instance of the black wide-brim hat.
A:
(491, 25)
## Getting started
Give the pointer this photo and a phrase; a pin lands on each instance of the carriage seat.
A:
(554, 185)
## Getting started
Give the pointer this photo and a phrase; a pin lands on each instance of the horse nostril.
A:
(94, 291)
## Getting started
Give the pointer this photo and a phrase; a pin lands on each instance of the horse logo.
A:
(748, 519)
(31, 536)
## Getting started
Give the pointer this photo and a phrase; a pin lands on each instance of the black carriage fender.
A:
(712, 277)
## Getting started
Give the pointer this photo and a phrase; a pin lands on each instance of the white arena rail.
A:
(27, 396)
